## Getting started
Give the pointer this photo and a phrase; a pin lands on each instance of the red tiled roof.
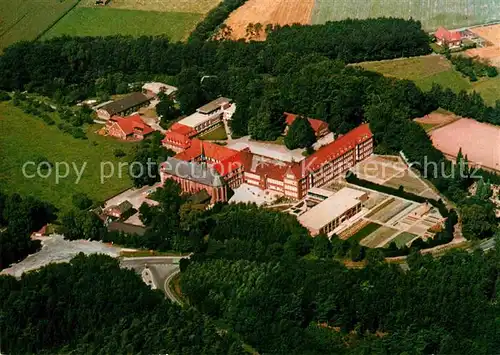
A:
(210, 150)
(183, 129)
(176, 138)
(240, 159)
(443, 34)
(272, 171)
(132, 123)
(316, 125)
(332, 150)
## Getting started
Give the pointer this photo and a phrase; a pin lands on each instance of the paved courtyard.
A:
(55, 249)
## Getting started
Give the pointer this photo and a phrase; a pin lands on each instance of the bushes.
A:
(207, 28)
(119, 153)
(4, 96)
(473, 67)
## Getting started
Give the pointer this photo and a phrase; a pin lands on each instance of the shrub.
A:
(119, 153)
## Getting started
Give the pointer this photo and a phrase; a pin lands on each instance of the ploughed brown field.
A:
(479, 141)
(491, 52)
(282, 12)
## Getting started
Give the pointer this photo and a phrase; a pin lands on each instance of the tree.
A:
(166, 109)
(81, 201)
(4, 96)
(479, 220)
(82, 225)
(322, 247)
(267, 124)
(300, 134)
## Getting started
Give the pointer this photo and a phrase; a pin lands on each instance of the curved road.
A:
(168, 291)
(162, 268)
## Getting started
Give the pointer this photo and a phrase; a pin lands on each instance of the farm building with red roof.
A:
(448, 38)
(128, 128)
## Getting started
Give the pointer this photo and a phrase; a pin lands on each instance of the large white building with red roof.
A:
(204, 120)
(291, 179)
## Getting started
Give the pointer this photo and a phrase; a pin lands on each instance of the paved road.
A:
(162, 268)
(168, 291)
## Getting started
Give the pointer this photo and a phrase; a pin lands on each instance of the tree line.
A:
(91, 306)
(19, 217)
(298, 300)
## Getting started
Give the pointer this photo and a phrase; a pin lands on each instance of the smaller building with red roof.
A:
(128, 128)
(450, 39)
(319, 127)
(178, 137)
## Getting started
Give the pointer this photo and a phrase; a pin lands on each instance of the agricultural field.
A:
(26, 20)
(104, 21)
(282, 12)
(491, 34)
(432, 14)
(192, 6)
(479, 141)
(26, 138)
(426, 70)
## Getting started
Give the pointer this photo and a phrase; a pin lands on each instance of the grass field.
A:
(25, 20)
(432, 14)
(403, 238)
(365, 231)
(82, 21)
(378, 237)
(24, 138)
(217, 134)
(195, 6)
(425, 71)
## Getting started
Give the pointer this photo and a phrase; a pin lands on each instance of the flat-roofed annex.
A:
(331, 208)
(213, 105)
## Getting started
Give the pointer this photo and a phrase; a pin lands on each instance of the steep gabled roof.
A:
(209, 150)
(131, 124)
(183, 129)
(448, 36)
(240, 159)
(317, 125)
(196, 172)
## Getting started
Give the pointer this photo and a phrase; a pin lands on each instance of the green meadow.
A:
(25, 20)
(104, 21)
(426, 70)
(25, 138)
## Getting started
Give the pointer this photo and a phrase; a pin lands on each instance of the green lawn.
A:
(365, 231)
(217, 134)
(432, 14)
(25, 138)
(426, 70)
(104, 21)
(402, 239)
(25, 20)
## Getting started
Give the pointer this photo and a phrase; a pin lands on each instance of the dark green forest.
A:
(91, 306)
(257, 276)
